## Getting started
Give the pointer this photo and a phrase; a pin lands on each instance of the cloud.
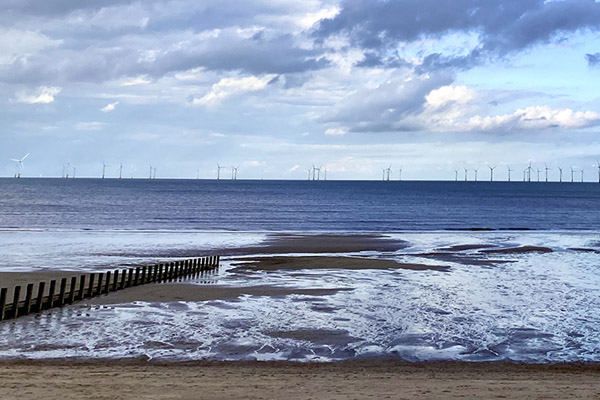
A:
(533, 118)
(501, 27)
(228, 87)
(90, 126)
(336, 131)
(44, 95)
(109, 107)
(447, 94)
(391, 105)
(140, 80)
(593, 59)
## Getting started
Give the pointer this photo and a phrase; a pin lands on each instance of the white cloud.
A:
(535, 117)
(446, 94)
(336, 131)
(140, 80)
(227, 87)
(43, 95)
(19, 45)
(109, 107)
(90, 126)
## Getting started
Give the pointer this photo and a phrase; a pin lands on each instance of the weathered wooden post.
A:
(39, 301)
(155, 277)
(81, 293)
(107, 284)
(90, 292)
(28, 296)
(116, 282)
(137, 276)
(51, 294)
(15, 306)
(143, 275)
(100, 281)
(71, 297)
(130, 278)
(123, 276)
(2, 302)
(63, 290)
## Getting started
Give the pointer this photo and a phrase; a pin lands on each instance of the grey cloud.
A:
(593, 59)
(228, 52)
(388, 107)
(504, 26)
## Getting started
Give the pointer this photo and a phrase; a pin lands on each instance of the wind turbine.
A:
(154, 174)
(509, 171)
(20, 164)
(388, 172)
(455, 175)
(572, 172)
(121, 171)
(560, 174)
(197, 174)
(582, 174)
(547, 169)
(234, 173)
(529, 172)
(104, 169)
(492, 172)
(538, 174)
(598, 165)
(74, 169)
(219, 168)
(476, 170)
(325, 174)
(466, 171)
(400, 174)
(308, 170)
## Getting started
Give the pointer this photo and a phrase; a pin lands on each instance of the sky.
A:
(273, 87)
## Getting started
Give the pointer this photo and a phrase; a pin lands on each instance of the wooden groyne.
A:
(71, 290)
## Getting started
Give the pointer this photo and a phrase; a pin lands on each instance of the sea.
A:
(525, 306)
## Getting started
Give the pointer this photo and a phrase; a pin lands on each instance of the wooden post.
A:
(2, 302)
(71, 297)
(51, 294)
(123, 279)
(161, 272)
(100, 280)
(155, 278)
(130, 278)
(90, 292)
(39, 301)
(63, 290)
(144, 268)
(28, 296)
(15, 306)
(107, 284)
(116, 282)
(137, 276)
(81, 293)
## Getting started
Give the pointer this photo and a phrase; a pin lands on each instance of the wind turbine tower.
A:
(400, 174)
(455, 175)
(476, 170)
(572, 172)
(121, 171)
(104, 169)
(538, 174)
(559, 174)
(219, 168)
(581, 174)
(466, 173)
(547, 169)
(509, 171)
(492, 172)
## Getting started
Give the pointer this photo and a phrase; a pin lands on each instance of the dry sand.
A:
(370, 379)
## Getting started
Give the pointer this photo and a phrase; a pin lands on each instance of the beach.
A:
(296, 360)
(367, 379)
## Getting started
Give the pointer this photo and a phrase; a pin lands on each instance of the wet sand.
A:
(367, 379)
(326, 262)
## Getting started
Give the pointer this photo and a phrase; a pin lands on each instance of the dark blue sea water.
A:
(296, 205)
